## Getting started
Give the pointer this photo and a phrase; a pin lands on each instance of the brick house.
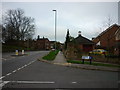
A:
(108, 38)
(42, 44)
(117, 47)
(81, 43)
(77, 47)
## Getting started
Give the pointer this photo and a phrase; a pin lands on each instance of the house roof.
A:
(43, 38)
(114, 25)
(82, 40)
(52, 41)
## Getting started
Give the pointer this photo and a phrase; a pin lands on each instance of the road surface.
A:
(28, 72)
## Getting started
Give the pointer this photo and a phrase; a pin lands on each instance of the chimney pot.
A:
(79, 33)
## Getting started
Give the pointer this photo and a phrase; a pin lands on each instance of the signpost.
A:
(88, 58)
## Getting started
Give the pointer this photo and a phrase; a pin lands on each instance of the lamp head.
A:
(54, 10)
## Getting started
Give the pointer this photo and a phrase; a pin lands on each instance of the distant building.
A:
(42, 44)
(52, 44)
(109, 39)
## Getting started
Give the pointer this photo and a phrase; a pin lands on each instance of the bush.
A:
(9, 48)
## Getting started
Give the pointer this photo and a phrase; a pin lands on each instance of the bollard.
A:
(90, 61)
(22, 51)
(16, 52)
(82, 61)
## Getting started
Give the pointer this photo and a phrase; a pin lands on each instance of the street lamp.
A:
(55, 25)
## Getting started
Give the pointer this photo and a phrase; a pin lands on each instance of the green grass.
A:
(51, 56)
(93, 63)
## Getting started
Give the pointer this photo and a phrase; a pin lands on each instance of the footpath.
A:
(60, 60)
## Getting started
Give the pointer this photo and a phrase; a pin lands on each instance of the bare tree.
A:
(108, 22)
(17, 25)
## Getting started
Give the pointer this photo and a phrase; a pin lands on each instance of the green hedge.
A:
(7, 48)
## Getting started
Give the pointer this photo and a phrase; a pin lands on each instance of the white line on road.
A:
(34, 82)
(74, 82)
(3, 83)
(2, 77)
(17, 69)
(14, 71)
(26, 82)
(8, 74)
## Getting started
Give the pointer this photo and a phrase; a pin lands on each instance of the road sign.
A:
(86, 57)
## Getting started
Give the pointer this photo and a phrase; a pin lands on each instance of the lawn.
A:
(51, 56)
(93, 63)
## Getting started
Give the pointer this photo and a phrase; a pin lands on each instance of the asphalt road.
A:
(36, 74)
(11, 63)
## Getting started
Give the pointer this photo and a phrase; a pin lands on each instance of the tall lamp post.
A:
(55, 25)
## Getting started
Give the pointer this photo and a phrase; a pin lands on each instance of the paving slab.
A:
(60, 58)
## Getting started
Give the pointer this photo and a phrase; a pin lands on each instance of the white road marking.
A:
(2, 77)
(14, 71)
(25, 65)
(26, 82)
(74, 82)
(3, 83)
(29, 63)
(17, 69)
(8, 74)
(34, 82)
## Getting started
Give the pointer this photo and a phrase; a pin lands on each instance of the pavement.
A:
(60, 60)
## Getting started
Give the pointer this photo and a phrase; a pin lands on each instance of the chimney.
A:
(79, 33)
(93, 38)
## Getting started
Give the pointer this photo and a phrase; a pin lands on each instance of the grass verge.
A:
(51, 56)
(93, 63)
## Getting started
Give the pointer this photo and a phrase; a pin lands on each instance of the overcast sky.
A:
(87, 17)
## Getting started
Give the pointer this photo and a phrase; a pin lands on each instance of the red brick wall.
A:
(43, 44)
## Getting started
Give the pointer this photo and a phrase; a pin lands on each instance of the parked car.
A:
(99, 51)
(53, 49)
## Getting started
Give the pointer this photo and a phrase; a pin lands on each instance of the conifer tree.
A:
(67, 39)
